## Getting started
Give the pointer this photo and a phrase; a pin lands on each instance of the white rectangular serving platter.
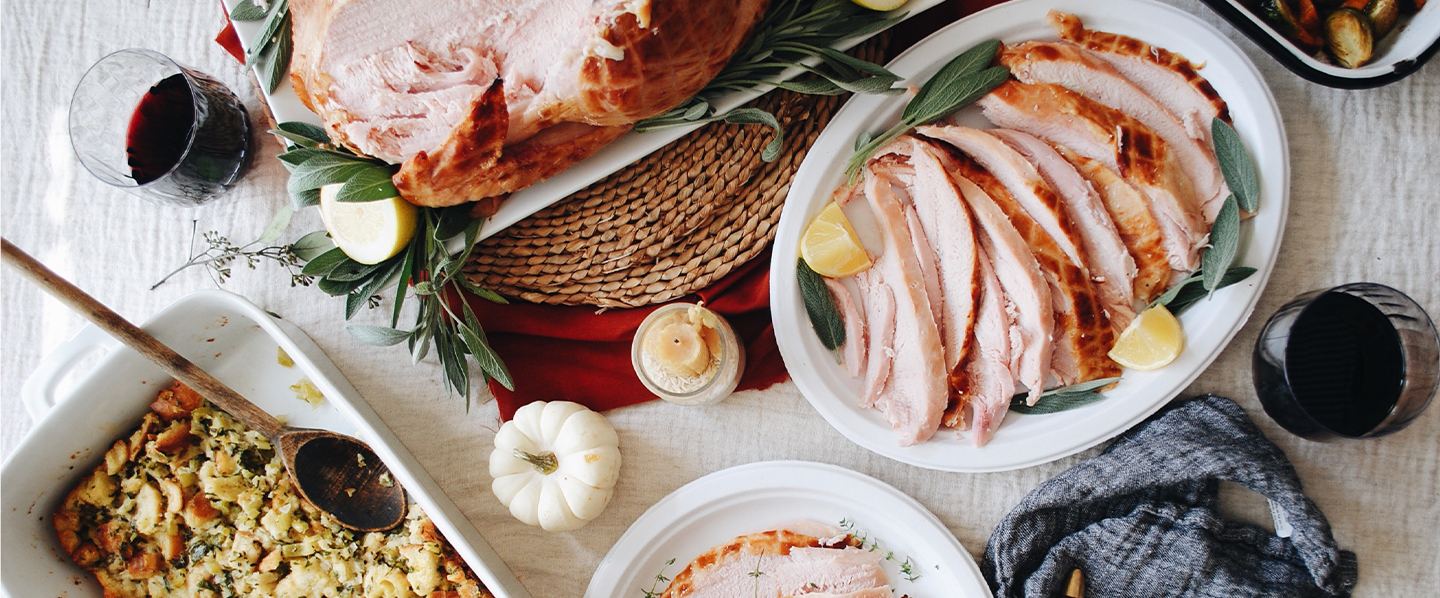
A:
(232, 339)
(286, 106)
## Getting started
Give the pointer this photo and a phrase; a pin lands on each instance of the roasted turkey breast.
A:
(479, 98)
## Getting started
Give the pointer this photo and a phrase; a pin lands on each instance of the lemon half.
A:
(882, 5)
(369, 232)
(1150, 342)
(830, 245)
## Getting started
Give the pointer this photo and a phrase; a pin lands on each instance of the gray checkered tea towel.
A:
(1143, 519)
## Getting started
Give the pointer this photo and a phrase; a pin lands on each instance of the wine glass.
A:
(1355, 361)
(160, 130)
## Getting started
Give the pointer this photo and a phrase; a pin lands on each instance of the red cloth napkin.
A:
(581, 354)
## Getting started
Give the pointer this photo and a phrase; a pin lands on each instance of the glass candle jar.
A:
(687, 354)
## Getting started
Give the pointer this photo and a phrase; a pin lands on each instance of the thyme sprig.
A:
(654, 591)
(908, 567)
(274, 46)
(793, 34)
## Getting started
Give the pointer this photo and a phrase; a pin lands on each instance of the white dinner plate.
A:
(762, 496)
(1024, 441)
(285, 105)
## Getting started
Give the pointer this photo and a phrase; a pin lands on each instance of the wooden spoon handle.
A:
(132, 336)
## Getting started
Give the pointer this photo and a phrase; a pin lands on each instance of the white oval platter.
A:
(1025, 441)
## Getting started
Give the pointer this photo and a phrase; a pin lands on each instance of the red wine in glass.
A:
(186, 137)
(1355, 361)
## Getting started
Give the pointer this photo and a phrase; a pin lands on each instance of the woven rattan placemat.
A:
(666, 226)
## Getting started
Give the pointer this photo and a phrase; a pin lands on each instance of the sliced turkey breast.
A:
(1068, 119)
(853, 353)
(915, 395)
(945, 223)
(1111, 266)
(1079, 70)
(1083, 332)
(1024, 286)
(1130, 212)
(880, 334)
(790, 563)
(880, 592)
(986, 385)
(1019, 178)
(1166, 76)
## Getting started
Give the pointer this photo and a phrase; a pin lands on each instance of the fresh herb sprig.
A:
(314, 162)
(1064, 398)
(654, 591)
(820, 306)
(219, 255)
(444, 321)
(908, 567)
(1244, 182)
(963, 80)
(274, 46)
(794, 33)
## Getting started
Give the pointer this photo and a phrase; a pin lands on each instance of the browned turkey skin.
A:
(479, 98)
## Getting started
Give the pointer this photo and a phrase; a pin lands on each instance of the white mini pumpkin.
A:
(555, 465)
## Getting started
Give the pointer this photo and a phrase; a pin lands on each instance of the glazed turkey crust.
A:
(777, 542)
(671, 49)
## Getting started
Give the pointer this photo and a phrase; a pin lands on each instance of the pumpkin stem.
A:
(545, 464)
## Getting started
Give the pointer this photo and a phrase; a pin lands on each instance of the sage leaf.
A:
(351, 270)
(485, 356)
(378, 336)
(951, 95)
(820, 306)
(756, 116)
(1224, 242)
(278, 223)
(312, 245)
(371, 184)
(279, 11)
(324, 170)
(247, 10)
(305, 199)
(324, 263)
(1190, 293)
(277, 63)
(1062, 399)
(1236, 164)
(969, 61)
(302, 133)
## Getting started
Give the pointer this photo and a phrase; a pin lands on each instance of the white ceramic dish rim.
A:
(1210, 326)
(48, 410)
(631, 558)
(285, 105)
(1416, 36)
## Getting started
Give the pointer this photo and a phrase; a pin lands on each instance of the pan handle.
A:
(41, 391)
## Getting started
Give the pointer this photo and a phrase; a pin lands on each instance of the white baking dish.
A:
(232, 339)
(1414, 41)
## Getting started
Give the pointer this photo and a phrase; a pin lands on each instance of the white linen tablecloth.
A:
(1365, 205)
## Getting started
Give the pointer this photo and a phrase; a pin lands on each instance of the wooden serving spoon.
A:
(337, 473)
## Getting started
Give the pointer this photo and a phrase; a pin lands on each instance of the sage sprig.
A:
(314, 162)
(1244, 182)
(445, 323)
(1236, 164)
(794, 33)
(274, 46)
(1186, 292)
(964, 79)
(1062, 399)
(820, 306)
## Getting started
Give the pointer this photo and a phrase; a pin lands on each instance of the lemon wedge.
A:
(830, 245)
(1150, 342)
(369, 232)
(883, 5)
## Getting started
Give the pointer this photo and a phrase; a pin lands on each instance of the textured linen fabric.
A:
(1143, 519)
(1364, 200)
